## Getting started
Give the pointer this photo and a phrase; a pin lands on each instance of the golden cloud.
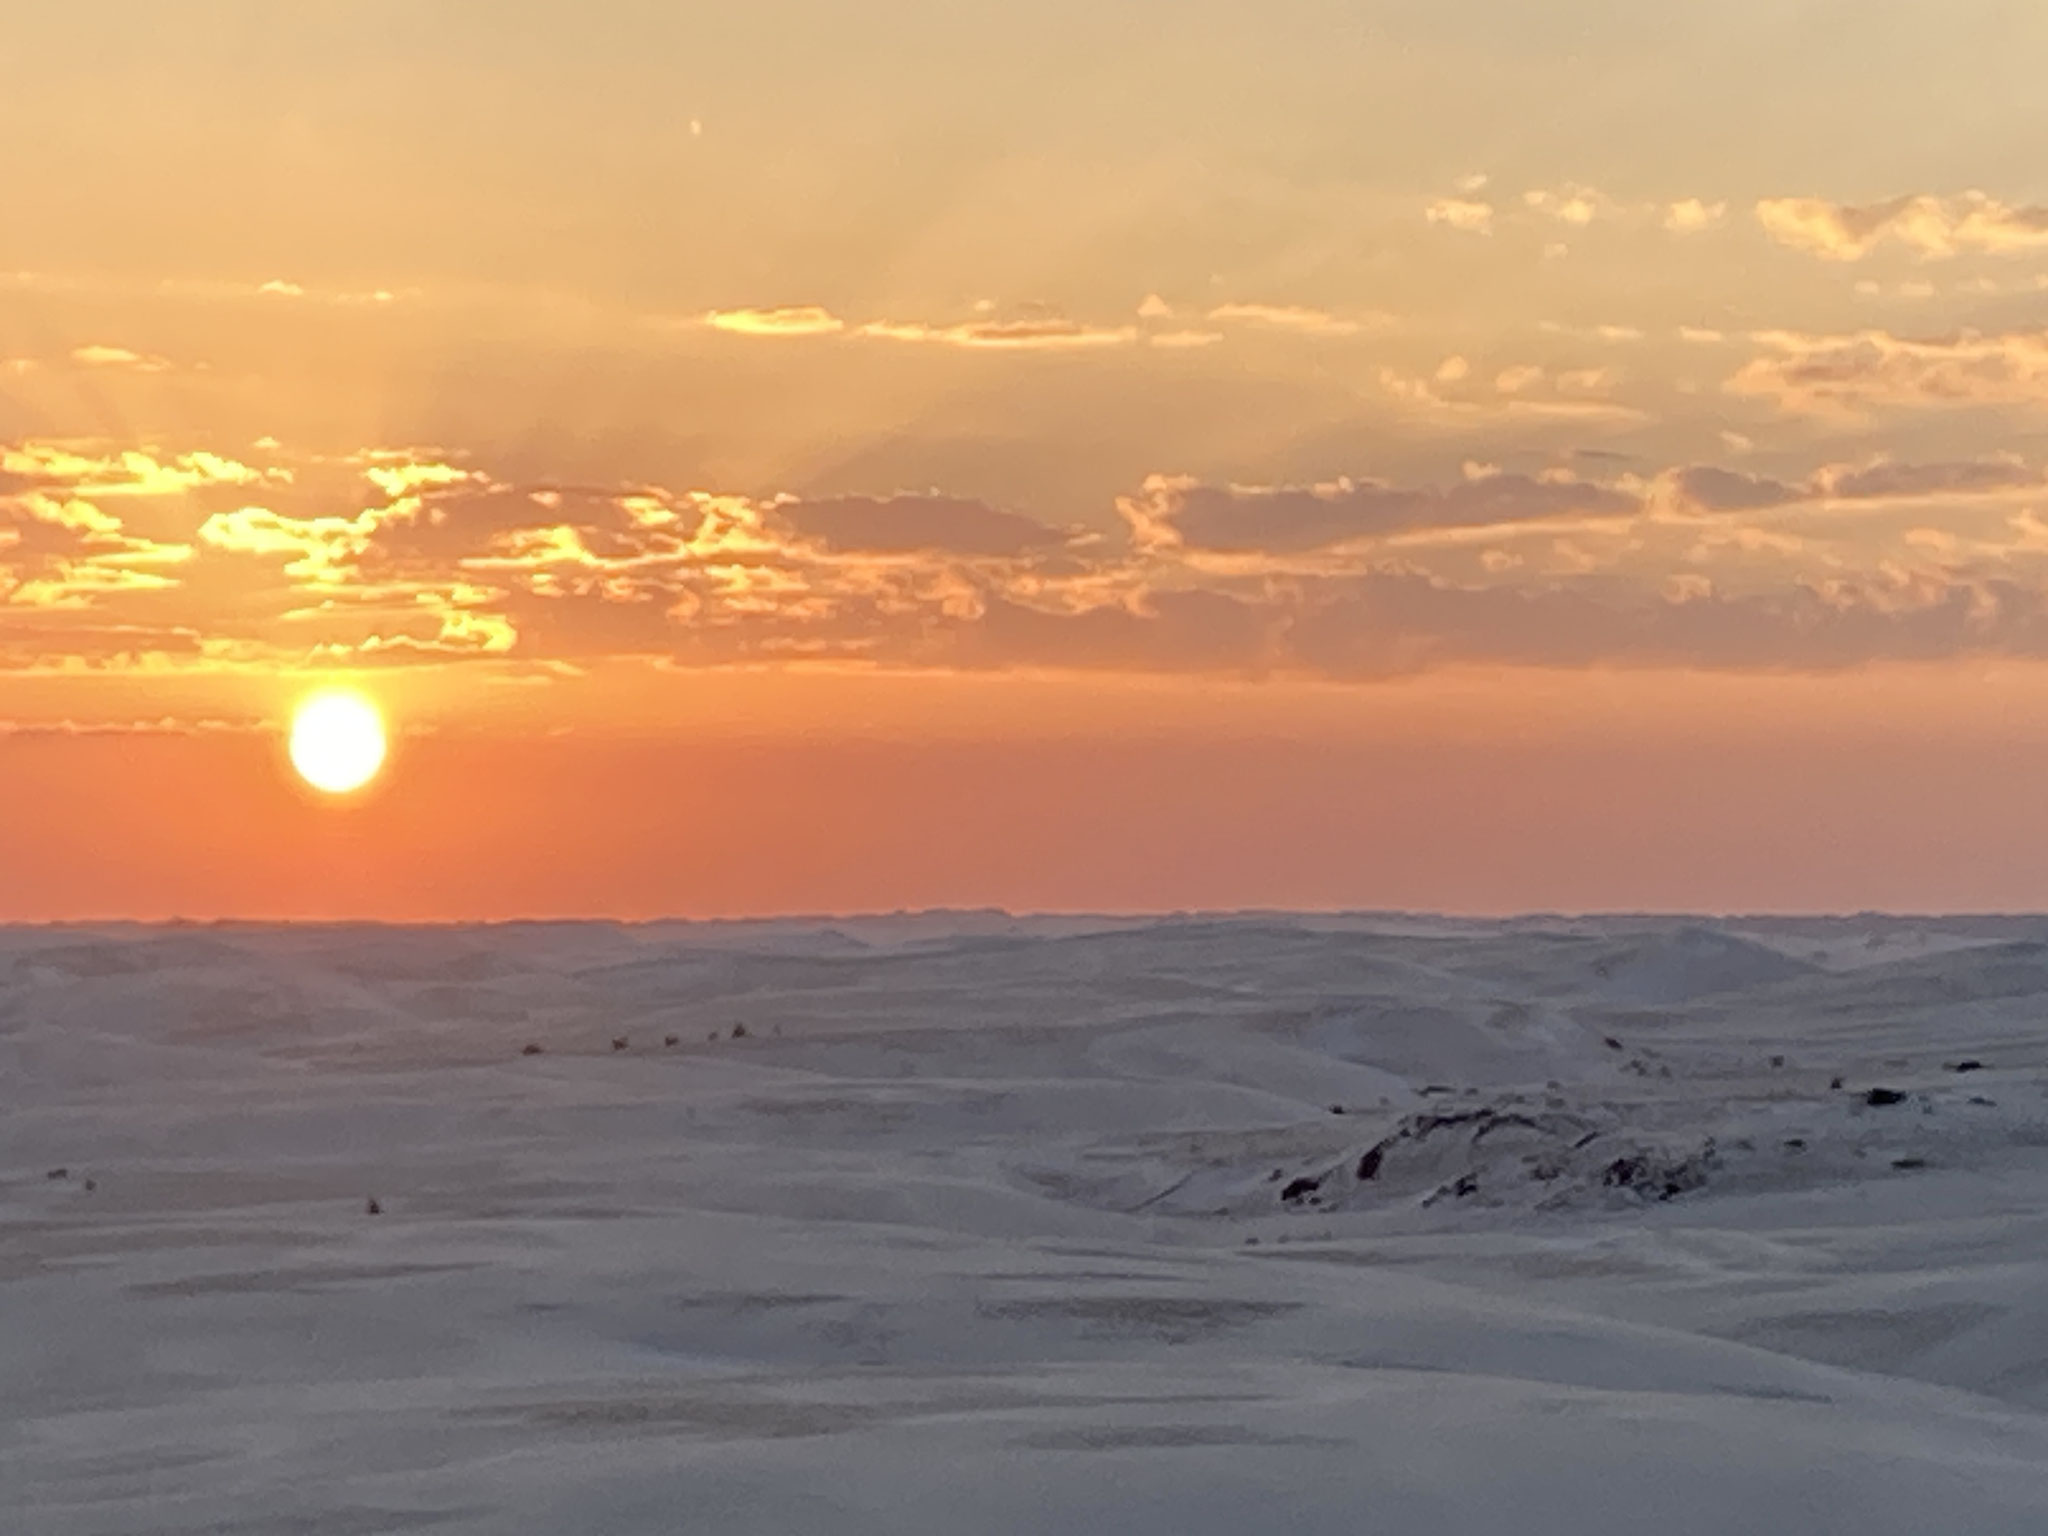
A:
(1932, 227)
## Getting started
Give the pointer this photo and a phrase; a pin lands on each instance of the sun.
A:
(337, 741)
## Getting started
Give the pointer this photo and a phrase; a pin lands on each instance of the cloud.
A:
(1689, 216)
(1885, 480)
(1932, 227)
(1572, 204)
(1608, 564)
(1461, 213)
(913, 524)
(1287, 317)
(1031, 335)
(1183, 340)
(788, 320)
(126, 472)
(1184, 515)
(319, 551)
(1708, 488)
(1852, 374)
(1155, 308)
(98, 355)
(59, 550)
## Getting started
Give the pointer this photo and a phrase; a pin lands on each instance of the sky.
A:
(799, 457)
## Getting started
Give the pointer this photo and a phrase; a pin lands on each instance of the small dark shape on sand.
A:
(1877, 1098)
(1795, 1144)
(1905, 1164)
(1369, 1165)
(712, 1037)
(1610, 1042)
(1657, 1177)
(1777, 1061)
(1978, 1098)
(1966, 1066)
(739, 1031)
(671, 1039)
(371, 1207)
(1434, 1089)
(1336, 1109)
(91, 1185)
(619, 1042)
(58, 1173)
(529, 1050)
(1468, 1184)
(1276, 1176)
(1300, 1189)
(1835, 1083)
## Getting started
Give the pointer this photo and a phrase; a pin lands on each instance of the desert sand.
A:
(968, 1224)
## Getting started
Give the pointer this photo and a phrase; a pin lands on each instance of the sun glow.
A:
(337, 741)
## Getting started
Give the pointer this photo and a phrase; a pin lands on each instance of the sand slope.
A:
(997, 1225)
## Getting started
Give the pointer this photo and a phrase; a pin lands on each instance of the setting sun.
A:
(337, 741)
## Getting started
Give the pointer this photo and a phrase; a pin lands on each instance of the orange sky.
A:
(771, 458)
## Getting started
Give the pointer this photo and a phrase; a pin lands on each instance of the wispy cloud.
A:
(1689, 215)
(1461, 213)
(1867, 370)
(785, 320)
(1932, 227)
(1290, 317)
(1032, 335)
(99, 355)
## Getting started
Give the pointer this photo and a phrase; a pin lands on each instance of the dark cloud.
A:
(1295, 520)
(1964, 478)
(1552, 570)
(910, 524)
(1728, 490)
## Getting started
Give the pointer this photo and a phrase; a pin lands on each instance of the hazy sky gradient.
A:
(1477, 456)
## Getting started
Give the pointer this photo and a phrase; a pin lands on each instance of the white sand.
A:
(984, 1228)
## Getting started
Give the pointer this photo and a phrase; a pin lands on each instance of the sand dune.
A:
(967, 1223)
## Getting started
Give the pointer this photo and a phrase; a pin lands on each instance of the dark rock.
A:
(1907, 1163)
(1795, 1144)
(1878, 1098)
(1967, 1066)
(1300, 1189)
(91, 1185)
(1978, 1098)
(372, 1208)
(671, 1039)
(1610, 1042)
(1835, 1084)
(619, 1042)
(739, 1031)
(1276, 1176)
(529, 1050)
(1468, 1184)
(1777, 1061)
(58, 1173)
(1336, 1109)
(1369, 1165)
